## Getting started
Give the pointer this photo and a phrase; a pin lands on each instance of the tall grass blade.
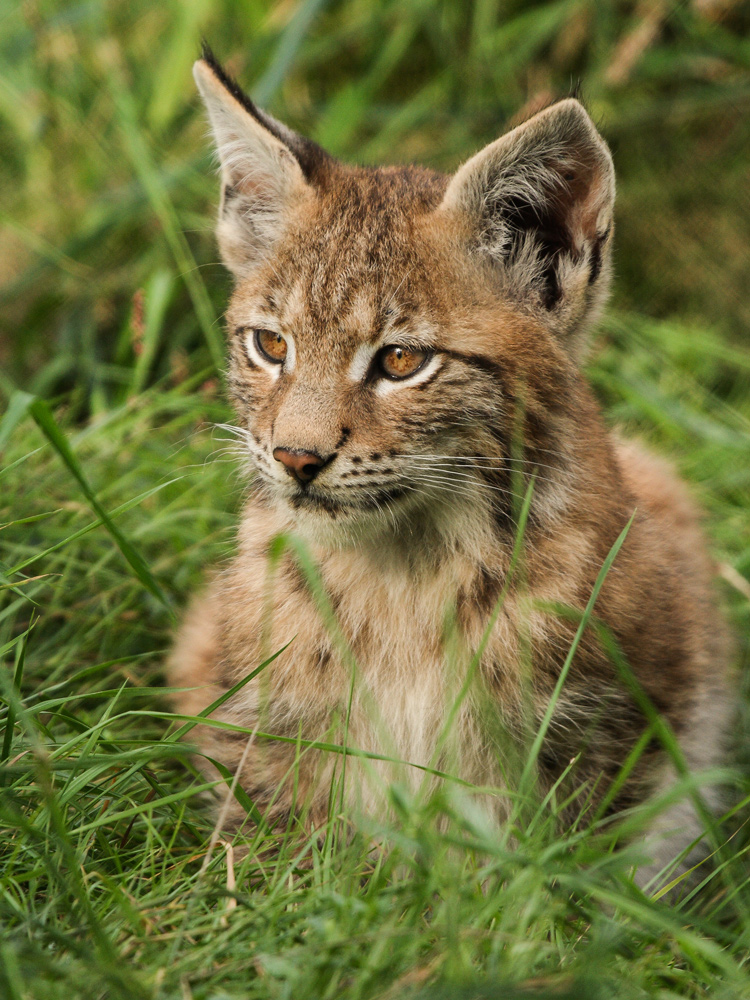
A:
(541, 732)
(10, 719)
(42, 415)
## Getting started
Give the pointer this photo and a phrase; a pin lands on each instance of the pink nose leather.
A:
(303, 465)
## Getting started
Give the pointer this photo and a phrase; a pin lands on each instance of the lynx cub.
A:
(404, 359)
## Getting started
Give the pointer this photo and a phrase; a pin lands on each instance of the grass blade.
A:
(44, 419)
(545, 723)
(17, 678)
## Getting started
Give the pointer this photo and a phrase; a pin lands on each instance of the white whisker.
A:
(454, 471)
(474, 460)
(450, 475)
(466, 483)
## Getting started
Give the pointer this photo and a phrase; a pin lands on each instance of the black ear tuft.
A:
(228, 82)
(207, 53)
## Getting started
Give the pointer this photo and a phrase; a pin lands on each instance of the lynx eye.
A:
(271, 345)
(401, 362)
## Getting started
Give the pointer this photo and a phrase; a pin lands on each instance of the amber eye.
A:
(271, 345)
(401, 362)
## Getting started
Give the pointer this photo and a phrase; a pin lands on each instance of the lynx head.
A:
(392, 329)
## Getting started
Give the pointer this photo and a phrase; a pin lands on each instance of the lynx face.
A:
(392, 331)
(364, 401)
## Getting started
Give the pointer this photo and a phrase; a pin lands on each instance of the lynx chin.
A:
(405, 356)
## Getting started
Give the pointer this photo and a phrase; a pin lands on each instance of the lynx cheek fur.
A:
(393, 333)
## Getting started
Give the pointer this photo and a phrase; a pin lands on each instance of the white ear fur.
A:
(539, 202)
(261, 178)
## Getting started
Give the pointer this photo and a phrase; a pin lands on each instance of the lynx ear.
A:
(266, 169)
(539, 204)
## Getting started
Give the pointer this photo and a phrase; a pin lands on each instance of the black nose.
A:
(303, 465)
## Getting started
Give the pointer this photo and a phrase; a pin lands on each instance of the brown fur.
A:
(331, 257)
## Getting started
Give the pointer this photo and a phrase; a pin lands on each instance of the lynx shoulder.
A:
(404, 362)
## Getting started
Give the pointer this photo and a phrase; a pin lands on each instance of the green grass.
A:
(118, 492)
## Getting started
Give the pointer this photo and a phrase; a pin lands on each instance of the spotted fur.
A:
(495, 273)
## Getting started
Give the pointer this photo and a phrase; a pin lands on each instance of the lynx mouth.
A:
(315, 501)
(305, 500)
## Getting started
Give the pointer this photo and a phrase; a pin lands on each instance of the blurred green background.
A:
(111, 298)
